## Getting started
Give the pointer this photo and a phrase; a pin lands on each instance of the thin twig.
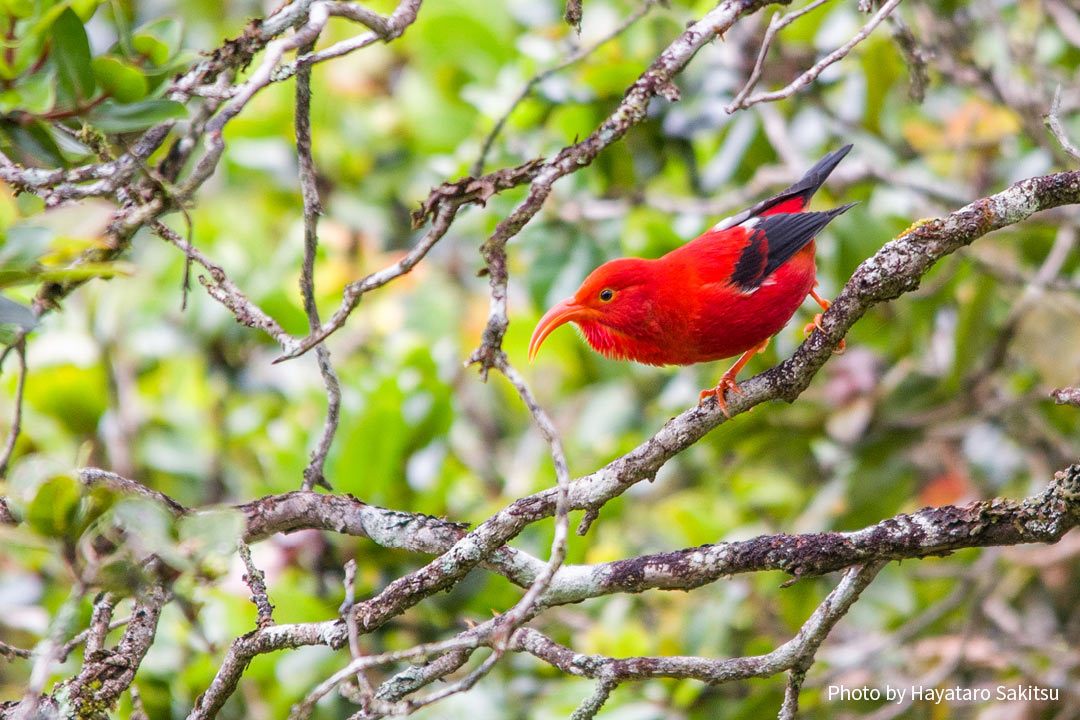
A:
(572, 14)
(791, 654)
(415, 677)
(579, 54)
(914, 56)
(399, 20)
(256, 582)
(104, 676)
(591, 705)
(95, 477)
(355, 291)
(82, 637)
(47, 654)
(1067, 396)
(100, 623)
(776, 24)
(810, 75)
(472, 638)
(1053, 123)
(224, 290)
(313, 473)
(11, 652)
(463, 685)
(16, 415)
(367, 692)
(512, 619)
(138, 711)
(57, 186)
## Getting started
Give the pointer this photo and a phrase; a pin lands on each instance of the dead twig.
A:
(810, 75)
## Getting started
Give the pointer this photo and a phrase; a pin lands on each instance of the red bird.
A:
(727, 292)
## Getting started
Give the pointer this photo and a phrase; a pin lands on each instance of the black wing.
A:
(774, 239)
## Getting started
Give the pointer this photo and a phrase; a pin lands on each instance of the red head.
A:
(614, 307)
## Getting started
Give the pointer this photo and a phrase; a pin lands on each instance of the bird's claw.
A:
(726, 383)
(809, 328)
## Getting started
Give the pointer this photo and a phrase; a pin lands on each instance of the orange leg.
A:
(825, 305)
(727, 380)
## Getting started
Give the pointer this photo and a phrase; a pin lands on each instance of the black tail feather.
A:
(804, 188)
(815, 176)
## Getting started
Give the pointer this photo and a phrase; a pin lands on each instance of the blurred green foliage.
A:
(922, 409)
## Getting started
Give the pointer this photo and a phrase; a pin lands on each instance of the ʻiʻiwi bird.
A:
(727, 292)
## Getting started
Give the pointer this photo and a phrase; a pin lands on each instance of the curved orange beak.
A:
(559, 314)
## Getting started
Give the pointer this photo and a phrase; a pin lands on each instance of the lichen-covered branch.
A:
(107, 673)
(806, 642)
(1042, 518)
(1066, 396)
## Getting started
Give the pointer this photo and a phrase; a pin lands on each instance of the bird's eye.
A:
(607, 294)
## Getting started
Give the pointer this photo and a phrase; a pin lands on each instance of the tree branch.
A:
(256, 582)
(579, 54)
(794, 653)
(1057, 129)
(778, 23)
(1066, 396)
(932, 531)
(313, 473)
(741, 103)
(16, 414)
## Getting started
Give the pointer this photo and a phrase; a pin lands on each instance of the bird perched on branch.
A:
(727, 292)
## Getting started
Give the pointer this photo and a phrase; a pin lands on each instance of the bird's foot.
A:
(727, 382)
(809, 328)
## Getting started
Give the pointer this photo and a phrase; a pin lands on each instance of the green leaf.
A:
(34, 142)
(14, 313)
(13, 276)
(53, 508)
(74, 396)
(18, 8)
(71, 148)
(158, 41)
(112, 117)
(28, 51)
(151, 48)
(23, 244)
(36, 94)
(85, 9)
(10, 277)
(71, 51)
(121, 81)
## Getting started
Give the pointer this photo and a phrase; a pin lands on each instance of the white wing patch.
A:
(740, 219)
